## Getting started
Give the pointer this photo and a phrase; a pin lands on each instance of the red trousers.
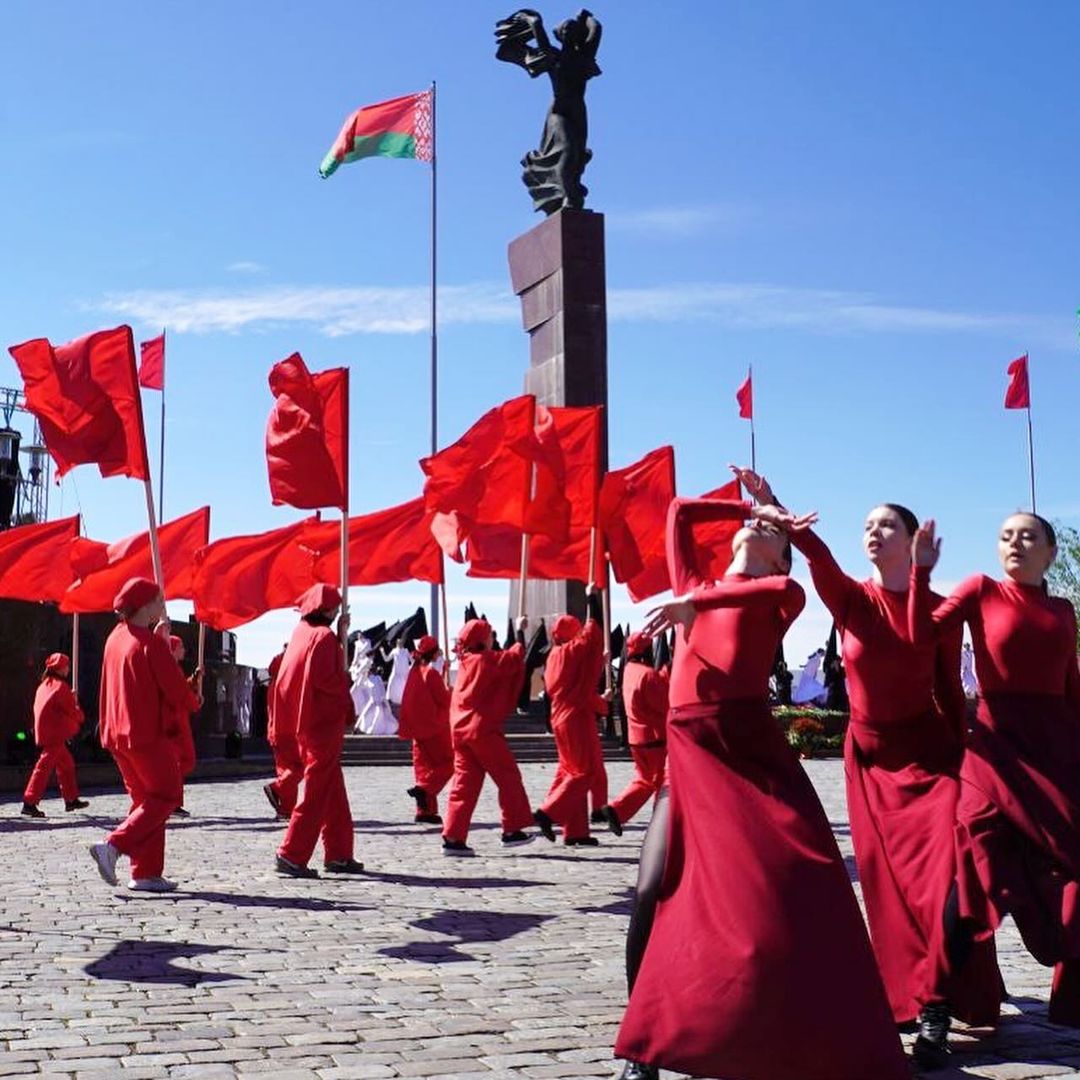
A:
(648, 778)
(433, 766)
(323, 809)
(183, 745)
(153, 782)
(567, 799)
(475, 758)
(289, 765)
(598, 787)
(53, 756)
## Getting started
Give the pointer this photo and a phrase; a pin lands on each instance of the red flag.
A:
(242, 577)
(484, 476)
(152, 363)
(745, 397)
(712, 541)
(85, 395)
(1018, 393)
(35, 560)
(100, 569)
(388, 545)
(633, 513)
(307, 436)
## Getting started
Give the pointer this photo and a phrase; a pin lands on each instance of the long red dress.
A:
(1018, 820)
(758, 966)
(902, 758)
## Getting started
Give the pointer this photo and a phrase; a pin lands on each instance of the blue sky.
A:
(873, 204)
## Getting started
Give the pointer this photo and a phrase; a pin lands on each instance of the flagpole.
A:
(345, 527)
(148, 485)
(161, 460)
(753, 441)
(75, 653)
(524, 574)
(1031, 445)
(434, 350)
(201, 654)
(445, 620)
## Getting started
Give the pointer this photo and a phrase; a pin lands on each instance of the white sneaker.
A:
(151, 884)
(105, 856)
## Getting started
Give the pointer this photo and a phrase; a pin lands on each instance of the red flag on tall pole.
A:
(1018, 392)
(152, 363)
(745, 397)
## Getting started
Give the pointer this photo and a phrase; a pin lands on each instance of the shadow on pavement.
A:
(152, 962)
(454, 882)
(616, 907)
(467, 927)
(288, 903)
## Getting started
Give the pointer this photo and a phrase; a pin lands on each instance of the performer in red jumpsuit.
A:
(1018, 819)
(141, 685)
(178, 723)
(424, 717)
(570, 676)
(57, 718)
(488, 683)
(281, 735)
(312, 696)
(902, 758)
(757, 965)
(645, 698)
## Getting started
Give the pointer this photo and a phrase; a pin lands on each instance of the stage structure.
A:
(24, 492)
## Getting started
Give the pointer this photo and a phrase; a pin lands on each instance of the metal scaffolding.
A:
(31, 502)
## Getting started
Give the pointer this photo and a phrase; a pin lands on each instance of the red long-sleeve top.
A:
(425, 703)
(310, 696)
(140, 684)
(645, 696)
(731, 646)
(888, 677)
(571, 674)
(487, 684)
(1024, 640)
(57, 713)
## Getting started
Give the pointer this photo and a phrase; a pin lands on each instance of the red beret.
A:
(319, 597)
(637, 643)
(136, 593)
(566, 628)
(59, 662)
(427, 644)
(474, 632)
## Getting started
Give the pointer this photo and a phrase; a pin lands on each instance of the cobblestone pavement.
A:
(506, 965)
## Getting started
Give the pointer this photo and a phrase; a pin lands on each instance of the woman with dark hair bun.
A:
(902, 754)
(1018, 819)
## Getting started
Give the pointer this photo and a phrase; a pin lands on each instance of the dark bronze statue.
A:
(553, 173)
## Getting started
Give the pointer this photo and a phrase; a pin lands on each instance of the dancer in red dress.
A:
(487, 686)
(645, 698)
(902, 758)
(425, 718)
(141, 685)
(570, 677)
(757, 966)
(313, 698)
(1018, 820)
(57, 718)
(178, 723)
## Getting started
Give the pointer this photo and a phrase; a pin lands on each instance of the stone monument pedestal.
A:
(557, 269)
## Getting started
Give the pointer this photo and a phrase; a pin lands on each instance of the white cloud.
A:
(339, 311)
(245, 266)
(680, 221)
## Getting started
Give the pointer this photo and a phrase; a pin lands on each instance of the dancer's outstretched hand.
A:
(783, 519)
(925, 546)
(678, 612)
(755, 484)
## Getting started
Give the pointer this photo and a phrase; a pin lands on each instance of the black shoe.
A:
(582, 841)
(272, 798)
(428, 819)
(30, 810)
(344, 866)
(180, 812)
(75, 804)
(517, 839)
(636, 1071)
(457, 847)
(420, 796)
(612, 819)
(545, 825)
(931, 1049)
(291, 869)
(597, 816)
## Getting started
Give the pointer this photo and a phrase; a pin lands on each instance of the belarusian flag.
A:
(400, 128)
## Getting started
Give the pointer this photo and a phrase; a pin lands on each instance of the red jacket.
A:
(57, 715)
(645, 695)
(310, 698)
(487, 685)
(425, 704)
(571, 675)
(141, 685)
